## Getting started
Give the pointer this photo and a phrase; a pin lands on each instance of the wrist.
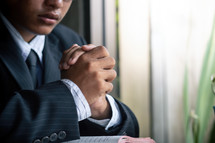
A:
(101, 109)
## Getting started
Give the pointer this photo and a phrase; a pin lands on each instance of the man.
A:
(55, 105)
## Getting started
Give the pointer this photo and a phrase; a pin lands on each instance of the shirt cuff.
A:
(116, 116)
(82, 106)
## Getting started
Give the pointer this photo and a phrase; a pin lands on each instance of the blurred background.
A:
(165, 53)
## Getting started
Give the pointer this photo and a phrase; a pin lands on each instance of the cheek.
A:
(65, 10)
(24, 13)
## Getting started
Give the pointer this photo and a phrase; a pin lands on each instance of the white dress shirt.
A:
(82, 106)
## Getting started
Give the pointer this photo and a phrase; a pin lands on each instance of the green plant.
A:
(196, 122)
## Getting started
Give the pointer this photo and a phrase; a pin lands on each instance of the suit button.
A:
(45, 139)
(37, 141)
(62, 135)
(53, 137)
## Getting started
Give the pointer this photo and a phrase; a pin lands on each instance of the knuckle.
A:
(97, 75)
(114, 73)
(110, 88)
(104, 50)
(113, 60)
(90, 65)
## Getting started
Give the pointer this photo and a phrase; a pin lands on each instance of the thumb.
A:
(88, 47)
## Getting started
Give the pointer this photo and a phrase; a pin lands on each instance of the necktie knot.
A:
(32, 59)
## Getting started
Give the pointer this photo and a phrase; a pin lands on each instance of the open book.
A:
(111, 139)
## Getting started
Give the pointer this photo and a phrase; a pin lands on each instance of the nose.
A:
(54, 3)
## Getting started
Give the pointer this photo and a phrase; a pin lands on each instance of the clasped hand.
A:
(90, 67)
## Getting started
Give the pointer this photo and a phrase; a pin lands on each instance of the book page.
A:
(97, 139)
(111, 139)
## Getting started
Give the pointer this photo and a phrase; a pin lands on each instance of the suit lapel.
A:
(11, 57)
(52, 56)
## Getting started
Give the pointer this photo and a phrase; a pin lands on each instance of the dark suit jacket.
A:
(27, 114)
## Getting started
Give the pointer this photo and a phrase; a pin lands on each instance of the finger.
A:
(74, 45)
(106, 63)
(109, 75)
(77, 52)
(109, 87)
(98, 52)
(66, 57)
(80, 52)
(63, 59)
(74, 57)
(88, 47)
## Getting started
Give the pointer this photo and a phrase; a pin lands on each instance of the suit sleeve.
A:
(129, 125)
(46, 112)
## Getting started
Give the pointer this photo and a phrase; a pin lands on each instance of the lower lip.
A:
(48, 21)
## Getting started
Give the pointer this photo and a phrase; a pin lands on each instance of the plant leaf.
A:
(205, 97)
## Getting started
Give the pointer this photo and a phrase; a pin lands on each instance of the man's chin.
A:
(44, 30)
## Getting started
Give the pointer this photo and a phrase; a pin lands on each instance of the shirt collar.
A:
(37, 43)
